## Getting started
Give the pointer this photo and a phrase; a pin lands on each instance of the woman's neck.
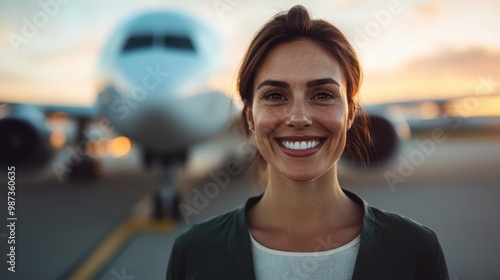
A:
(304, 208)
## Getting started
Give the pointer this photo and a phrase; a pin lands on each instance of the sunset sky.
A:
(426, 49)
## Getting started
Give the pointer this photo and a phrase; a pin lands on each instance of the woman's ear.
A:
(351, 115)
(249, 117)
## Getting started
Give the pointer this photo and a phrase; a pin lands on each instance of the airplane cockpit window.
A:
(178, 42)
(135, 42)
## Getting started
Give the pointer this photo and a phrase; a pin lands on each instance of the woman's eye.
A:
(274, 96)
(325, 96)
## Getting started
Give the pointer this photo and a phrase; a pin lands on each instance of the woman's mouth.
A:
(300, 146)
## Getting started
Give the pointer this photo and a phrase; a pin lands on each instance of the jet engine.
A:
(386, 134)
(24, 137)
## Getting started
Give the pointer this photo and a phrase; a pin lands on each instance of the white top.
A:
(338, 263)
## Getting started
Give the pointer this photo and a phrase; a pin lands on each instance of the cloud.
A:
(445, 73)
(469, 62)
(429, 9)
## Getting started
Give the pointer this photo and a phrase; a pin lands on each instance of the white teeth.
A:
(300, 145)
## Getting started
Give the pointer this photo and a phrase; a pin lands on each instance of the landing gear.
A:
(83, 167)
(166, 199)
(86, 169)
(166, 204)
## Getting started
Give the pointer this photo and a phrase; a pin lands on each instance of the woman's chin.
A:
(301, 176)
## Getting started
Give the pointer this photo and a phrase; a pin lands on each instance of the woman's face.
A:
(299, 112)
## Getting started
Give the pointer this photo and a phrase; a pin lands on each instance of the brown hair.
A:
(297, 24)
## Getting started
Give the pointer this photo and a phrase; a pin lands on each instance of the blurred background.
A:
(425, 49)
(428, 65)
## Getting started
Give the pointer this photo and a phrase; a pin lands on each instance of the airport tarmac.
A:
(99, 230)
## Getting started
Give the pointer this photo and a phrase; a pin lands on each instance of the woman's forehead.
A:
(299, 62)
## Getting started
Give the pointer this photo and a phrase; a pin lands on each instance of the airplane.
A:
(153, 87)
(394, 122)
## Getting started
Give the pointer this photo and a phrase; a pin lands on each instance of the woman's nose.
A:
(298, 116)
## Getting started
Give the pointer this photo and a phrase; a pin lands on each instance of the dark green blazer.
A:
(392, 247)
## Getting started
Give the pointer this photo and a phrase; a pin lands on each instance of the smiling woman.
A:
(299, 81)
(299, 97)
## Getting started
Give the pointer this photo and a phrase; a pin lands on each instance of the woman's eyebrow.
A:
(310, 84)
(275, 83)
(319, 82)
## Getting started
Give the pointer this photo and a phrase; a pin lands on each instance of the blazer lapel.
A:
(365, 259)
(243, 243)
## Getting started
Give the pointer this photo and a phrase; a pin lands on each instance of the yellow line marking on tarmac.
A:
(108, 248)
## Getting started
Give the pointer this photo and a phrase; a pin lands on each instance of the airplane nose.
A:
(155, 74)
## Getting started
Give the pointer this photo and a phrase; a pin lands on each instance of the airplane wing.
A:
(459, 113)
(28, 140)
(70, 110)
(393, 122)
